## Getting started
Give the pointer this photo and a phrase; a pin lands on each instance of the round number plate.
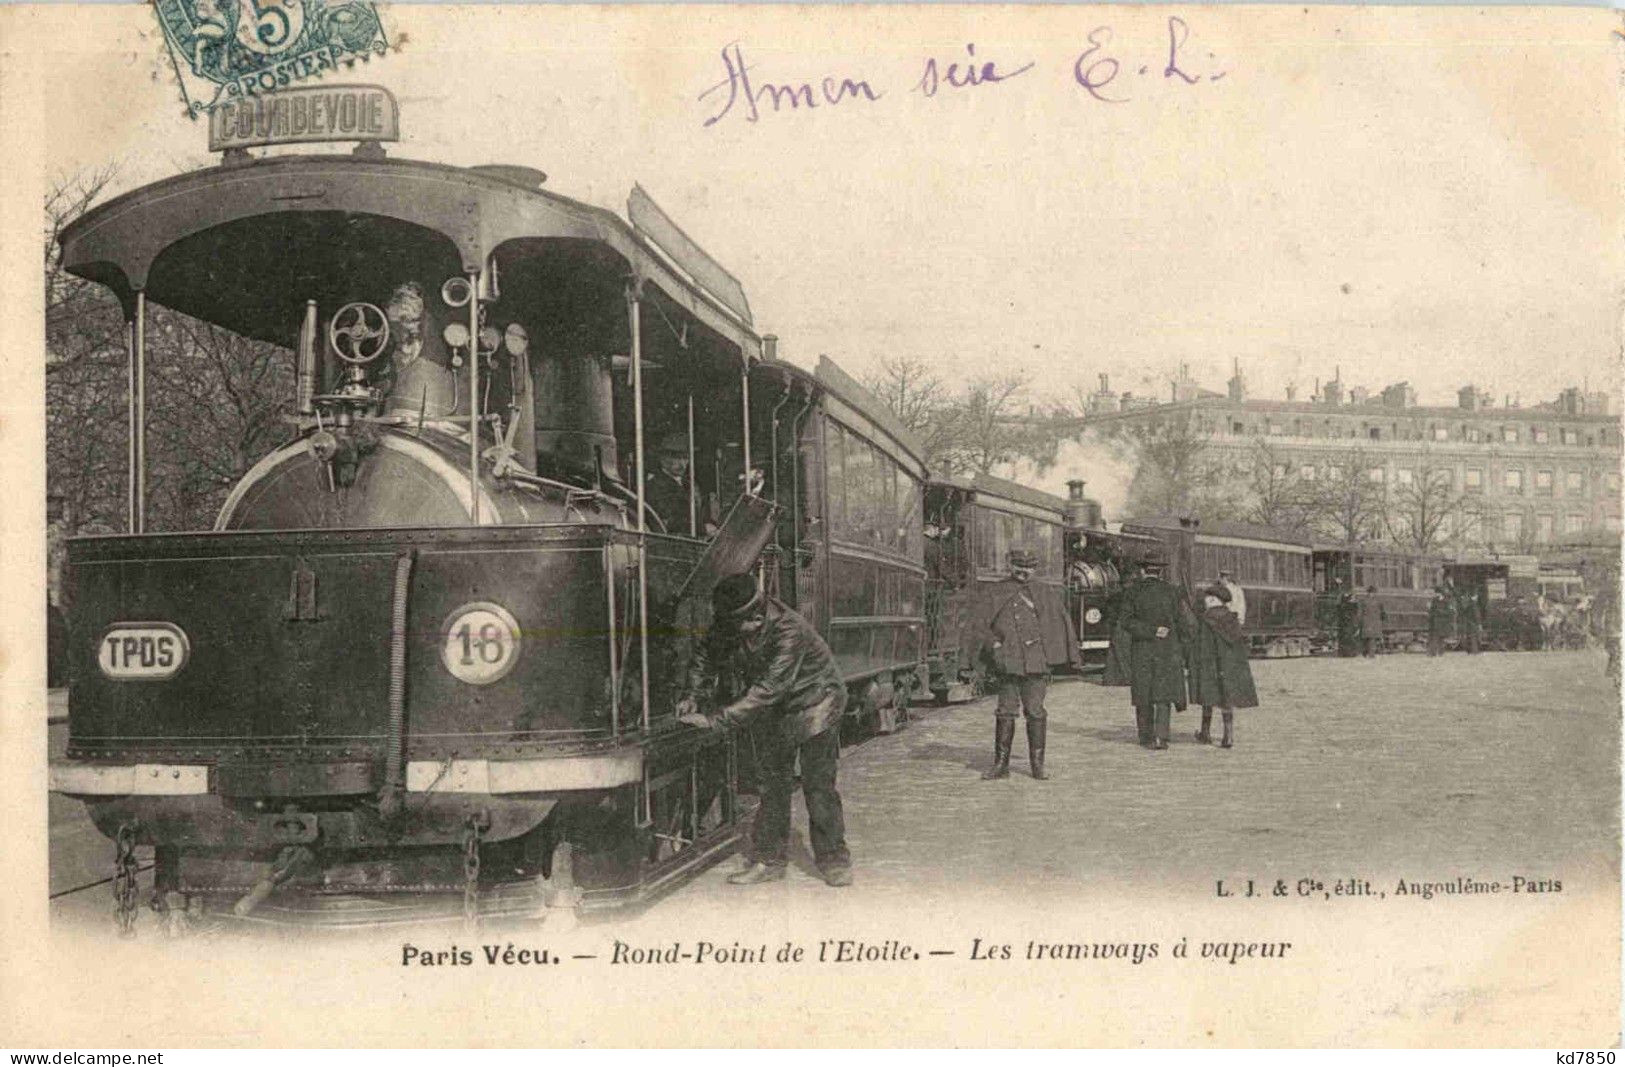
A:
(479, 644)
(1092, 616)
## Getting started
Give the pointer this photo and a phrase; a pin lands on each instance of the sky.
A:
(1427, 195)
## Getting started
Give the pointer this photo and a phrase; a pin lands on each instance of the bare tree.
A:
(987, 434)
(1421, 513)
(1173, 462)
(1348, 505)
(1277, 494)
(214, 400)
(921, 401)
(86, 373)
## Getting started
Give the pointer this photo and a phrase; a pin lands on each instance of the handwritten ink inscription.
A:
(1103, 71)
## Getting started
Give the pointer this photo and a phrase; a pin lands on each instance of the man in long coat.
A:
(795, 688)
(1441, 620)
(1024, 630)
(1158, 620)
(1220, 674)
(1469, 620)
(1372, 617)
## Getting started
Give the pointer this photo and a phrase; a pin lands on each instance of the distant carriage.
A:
(971, 525)
(1505, 593)
(1272, 567)
(1404, 582)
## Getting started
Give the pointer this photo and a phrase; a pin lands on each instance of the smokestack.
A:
(770, 346)
(1104, 386)
(1074, 489)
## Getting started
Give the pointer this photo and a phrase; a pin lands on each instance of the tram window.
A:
(862, 491)
(909, 506)
(835, 478)
(1053, 555)
(887, 513)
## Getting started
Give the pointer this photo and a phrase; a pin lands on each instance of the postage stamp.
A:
(229, 49)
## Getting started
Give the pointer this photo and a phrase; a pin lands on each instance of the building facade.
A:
(1523, 478)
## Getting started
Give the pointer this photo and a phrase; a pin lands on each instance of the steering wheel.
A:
(358, 332)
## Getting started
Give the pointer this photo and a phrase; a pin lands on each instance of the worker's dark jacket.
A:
(788, 670)
(1022, 628)
(1119, 653)
(1220, 674)
(1157, 664)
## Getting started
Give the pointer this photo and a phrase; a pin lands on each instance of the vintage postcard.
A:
(828, 525)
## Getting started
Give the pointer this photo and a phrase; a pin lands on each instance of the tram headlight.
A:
(1091, 616)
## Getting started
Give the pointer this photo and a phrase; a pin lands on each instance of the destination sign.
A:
(306, 114)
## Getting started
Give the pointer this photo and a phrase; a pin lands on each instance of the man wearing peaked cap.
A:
(1023, 631)
(792, 685)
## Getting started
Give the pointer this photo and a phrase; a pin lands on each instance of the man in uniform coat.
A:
(1025, 631)
(1158, 620)
(797, 692)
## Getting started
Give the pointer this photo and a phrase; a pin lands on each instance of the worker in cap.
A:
(1021, 633)
(665, 490)
(796, 694)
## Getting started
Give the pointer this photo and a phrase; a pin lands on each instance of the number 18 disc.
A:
(479, 644)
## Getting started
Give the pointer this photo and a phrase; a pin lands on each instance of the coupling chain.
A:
(471, 868)
(124, 880)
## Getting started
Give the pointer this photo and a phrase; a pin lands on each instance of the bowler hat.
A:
(674, 444)
(734, 595)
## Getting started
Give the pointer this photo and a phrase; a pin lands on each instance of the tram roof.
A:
(198, 241)
(1224, 528)
(830, 378)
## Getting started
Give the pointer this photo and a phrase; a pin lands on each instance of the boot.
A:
(1035, 746)
(1229, 728)
(1205, 735)
(756, 874)
(1004, 734)
(1160, 735)
(1142, 725)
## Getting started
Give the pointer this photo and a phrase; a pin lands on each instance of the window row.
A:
(997, 532)
(1306, 427)
(872, 500)
(1263, 566)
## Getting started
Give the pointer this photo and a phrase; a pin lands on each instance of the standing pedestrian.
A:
(1024, 629)
(1238, 597)
(1220, 674)
(1158, 620)
(1469, 620)
(793, 684)
(1441, 620)
(1348, 622)
(1372, 618)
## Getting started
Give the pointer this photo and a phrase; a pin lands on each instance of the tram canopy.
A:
(245, 245)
